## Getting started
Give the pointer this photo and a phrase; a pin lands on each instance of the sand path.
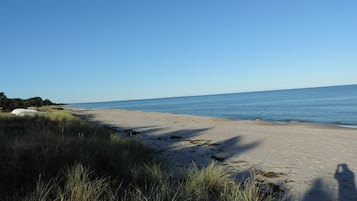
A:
(305, 156)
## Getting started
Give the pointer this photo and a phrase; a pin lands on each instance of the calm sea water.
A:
(327, 105)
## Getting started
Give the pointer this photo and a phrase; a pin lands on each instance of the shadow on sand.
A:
(184, 145)
(346, 187)
(346, 183)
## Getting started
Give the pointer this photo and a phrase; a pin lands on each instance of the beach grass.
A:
(61, 157)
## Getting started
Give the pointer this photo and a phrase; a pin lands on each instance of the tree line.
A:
(8, 104)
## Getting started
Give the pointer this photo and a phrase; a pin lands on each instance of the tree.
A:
(3, 101)
(8, 104)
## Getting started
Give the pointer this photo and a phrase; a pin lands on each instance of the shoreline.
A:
(277, 122)
(303, 155)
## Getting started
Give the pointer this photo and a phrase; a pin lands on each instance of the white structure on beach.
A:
(24, 112)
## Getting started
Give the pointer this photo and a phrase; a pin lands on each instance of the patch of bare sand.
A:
(304, 156)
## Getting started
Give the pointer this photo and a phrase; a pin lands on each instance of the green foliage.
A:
(202, 182)
(210, 183)
(8, 104)
(77, 185)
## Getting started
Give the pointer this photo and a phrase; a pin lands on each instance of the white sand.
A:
(307, 155)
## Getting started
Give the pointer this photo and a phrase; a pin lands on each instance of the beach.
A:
(300, 156)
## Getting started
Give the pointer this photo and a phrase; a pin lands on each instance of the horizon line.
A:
(217, 94)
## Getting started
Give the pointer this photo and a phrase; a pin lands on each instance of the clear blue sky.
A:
(80, 51)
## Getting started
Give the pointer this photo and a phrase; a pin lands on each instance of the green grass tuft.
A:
(206, 181)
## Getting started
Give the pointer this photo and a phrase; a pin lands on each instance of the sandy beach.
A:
(315, 162)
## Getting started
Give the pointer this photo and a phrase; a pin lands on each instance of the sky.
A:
(100, 50)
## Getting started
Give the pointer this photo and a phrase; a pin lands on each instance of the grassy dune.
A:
(60, 157)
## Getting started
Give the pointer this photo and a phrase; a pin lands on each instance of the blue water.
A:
(327, 105)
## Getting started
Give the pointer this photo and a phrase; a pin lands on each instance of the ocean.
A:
(335, 105)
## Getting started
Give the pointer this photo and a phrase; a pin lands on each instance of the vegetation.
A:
(60, 157)
(8, 104)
